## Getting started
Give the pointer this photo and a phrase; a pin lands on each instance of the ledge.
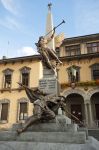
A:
(84, 84)
(81, 56)
(14, 89)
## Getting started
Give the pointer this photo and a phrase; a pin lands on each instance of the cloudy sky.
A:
(23, 21)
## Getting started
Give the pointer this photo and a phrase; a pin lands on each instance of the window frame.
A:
(7, 71)
(92, 46)
(4, 101)
(94, 67)
(22, 100)
(73, 49)
(24, 70)
(69, 72)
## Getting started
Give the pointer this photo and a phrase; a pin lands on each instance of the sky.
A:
(22, 22)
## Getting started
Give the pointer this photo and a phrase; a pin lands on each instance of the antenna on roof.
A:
(8, 48)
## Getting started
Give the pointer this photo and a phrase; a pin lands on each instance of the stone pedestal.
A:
(92, 144)
(59, 124)
(49, 81)
(55, 135)
(54, 131)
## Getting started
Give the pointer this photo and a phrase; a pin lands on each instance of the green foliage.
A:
(82, 84)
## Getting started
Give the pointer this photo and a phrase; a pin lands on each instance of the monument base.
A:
(49, 81)
(55, 135)
(91, 144)
(60, 124)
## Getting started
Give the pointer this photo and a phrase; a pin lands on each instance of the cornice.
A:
(81, 39)
(79, 57)
(20, 59)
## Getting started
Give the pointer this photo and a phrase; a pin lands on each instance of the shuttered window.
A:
(72, 50)
(95, 71)
(4, 111)
(23, 111)
(7, 78)
(25, 79)
(25, 75)
(7, 81)
(93, 47)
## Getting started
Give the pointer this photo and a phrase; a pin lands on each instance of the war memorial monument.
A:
(48, 128)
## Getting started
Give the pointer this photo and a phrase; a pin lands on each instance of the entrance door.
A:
(97, 111)
(76, 110)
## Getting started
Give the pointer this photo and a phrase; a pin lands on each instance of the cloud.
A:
(9, 23)
(26, 51)
(8, 20)
(9, 5)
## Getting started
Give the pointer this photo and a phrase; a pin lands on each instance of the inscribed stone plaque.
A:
(48, 85)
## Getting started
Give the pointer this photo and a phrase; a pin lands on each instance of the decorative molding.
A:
(91, 92)
(25, 69)
(81, 39)
(74, 66)
(18, 59)
(75, 91)
(8, 71)
(23, 99)
(94, 65)
(4, 101)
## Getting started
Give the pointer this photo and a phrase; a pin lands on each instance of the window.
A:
(23, 111)
(58, 51)
(4, 111)
(7, 83)
(25, 72)
(7, 78)
(96, 74)
(74, 74)
(72, 50)
(93, 47)
(4, 107)
(95, 71)
(25, 79)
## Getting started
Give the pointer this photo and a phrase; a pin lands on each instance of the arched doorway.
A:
(75, 105)
(95, 107)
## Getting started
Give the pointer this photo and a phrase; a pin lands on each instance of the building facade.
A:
(78, 79)
(14, 104)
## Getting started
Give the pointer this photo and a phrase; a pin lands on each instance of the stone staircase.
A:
(94, 133)
(47, 137)
(55, 135)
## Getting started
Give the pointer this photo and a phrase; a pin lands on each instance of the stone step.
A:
(48, 127)
(94, 133)
(90, 132)
(47, 137)
(18, 145)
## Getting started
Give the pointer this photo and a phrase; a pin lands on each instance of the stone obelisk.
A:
(49, 81)
(49, 27)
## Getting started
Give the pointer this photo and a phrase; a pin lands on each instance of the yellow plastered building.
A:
(78, 78)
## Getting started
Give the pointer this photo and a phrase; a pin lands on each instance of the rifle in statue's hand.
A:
(20, 83)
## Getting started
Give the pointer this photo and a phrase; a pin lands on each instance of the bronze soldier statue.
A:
(45, 107)
(47, 54)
